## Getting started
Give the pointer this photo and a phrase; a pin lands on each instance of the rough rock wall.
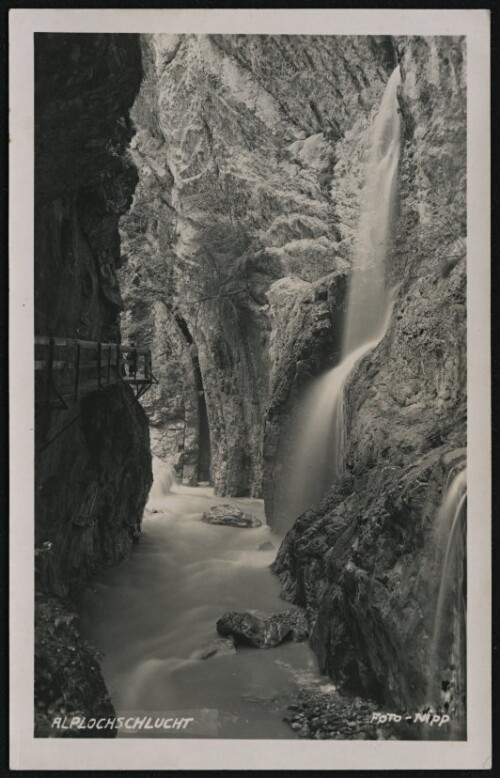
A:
(171, 404)
(85, 85)
(238, 138)
(92, 484)
(93, 479)
(93, 466)
(365, 562)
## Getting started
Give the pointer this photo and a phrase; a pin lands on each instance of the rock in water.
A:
(266, 546)
(214, 647)
(263, 630)
(229, 515)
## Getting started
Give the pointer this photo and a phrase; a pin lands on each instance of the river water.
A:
(151, 614)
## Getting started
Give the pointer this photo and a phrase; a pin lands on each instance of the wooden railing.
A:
(68, 368)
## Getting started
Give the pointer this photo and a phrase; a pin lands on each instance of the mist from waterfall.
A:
(447, 649)
(163, 481)
(320, 440)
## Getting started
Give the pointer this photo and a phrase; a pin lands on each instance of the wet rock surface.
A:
(229, 515)
(266, 546)
(262, 630)
(217, 647)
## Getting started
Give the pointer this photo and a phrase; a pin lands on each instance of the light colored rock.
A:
(236, 142)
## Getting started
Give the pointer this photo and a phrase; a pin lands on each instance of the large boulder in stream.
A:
(229, 515)
(263, 630)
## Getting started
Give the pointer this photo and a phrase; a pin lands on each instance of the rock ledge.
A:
(263, 630)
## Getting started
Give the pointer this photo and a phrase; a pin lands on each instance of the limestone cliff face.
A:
(365, 562)
(93, 466)
(237, 230)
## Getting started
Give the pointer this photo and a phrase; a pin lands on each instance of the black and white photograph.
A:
(250, 364)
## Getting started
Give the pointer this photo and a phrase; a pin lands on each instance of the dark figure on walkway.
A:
(132, 358)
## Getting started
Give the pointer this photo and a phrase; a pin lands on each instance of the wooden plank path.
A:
(67, 369)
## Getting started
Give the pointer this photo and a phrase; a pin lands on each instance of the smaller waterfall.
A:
(448, 647)
(163, 480)
(319, 439)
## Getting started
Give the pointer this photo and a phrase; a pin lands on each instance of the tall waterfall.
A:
(320, 442)
(447, 650)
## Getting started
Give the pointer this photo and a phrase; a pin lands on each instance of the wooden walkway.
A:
(67, 369)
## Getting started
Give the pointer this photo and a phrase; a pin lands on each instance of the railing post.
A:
(118, 363)
(99, 365)
(77, 369)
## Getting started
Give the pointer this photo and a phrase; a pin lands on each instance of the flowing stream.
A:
(152, 614)
(320, 440)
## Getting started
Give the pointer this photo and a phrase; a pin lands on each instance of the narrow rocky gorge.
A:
(251, 171)
(202, 196)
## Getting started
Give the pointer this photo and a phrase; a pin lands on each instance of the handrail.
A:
(109, 364)
(44, 340)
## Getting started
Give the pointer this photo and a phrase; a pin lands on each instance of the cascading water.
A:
(369, 299)
(320, 442)
(447, 651)
(163, 481)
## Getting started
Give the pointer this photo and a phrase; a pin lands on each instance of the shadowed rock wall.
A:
(97, 473)
(93, 466)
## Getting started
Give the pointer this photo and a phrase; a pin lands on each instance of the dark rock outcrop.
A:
(229, 515)
(327, 715)
(266, 546)
(84, 179)
(92, 483)
(263, 630)
(93, 468)
(68, 679)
